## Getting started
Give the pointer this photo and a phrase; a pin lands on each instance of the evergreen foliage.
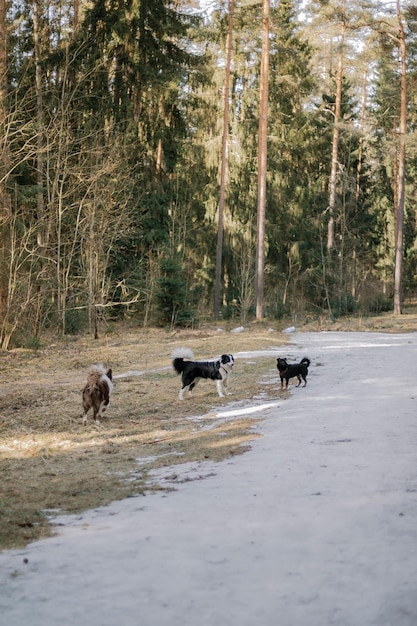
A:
(111, 121)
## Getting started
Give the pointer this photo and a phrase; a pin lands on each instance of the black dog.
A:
(192, 371)
(299, 370)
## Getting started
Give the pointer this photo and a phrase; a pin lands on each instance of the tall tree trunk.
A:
(395, 157)
(91, 279)
(224, 159)
(361, 139)
(262, 163)
(76, 18)
(359, 169)
(335, 145)
(5, 208)
(42, 233)
(401, 171)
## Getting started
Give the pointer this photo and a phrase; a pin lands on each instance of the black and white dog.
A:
(296, 370)
(96, 393)
(192, 371)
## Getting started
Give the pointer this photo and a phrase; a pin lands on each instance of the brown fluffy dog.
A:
(96, 393)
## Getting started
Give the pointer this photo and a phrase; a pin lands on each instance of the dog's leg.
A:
(183, 390)
(103, 406)
(299, 380)
(86, 407)
(97, 412)
(102, 402)
(193, 386)
(219, 384)
(223, 385)
(188, 383)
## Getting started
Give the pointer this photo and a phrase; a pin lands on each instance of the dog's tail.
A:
(305, 361)
(96, 374)
(178, 355)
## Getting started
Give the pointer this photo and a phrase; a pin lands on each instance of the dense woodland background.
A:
(112, 125)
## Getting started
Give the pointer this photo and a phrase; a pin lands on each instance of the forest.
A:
(131, 161)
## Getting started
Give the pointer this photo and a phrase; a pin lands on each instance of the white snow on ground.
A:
(316, 525)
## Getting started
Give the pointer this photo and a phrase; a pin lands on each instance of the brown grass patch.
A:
(386, 322)
(49, 461)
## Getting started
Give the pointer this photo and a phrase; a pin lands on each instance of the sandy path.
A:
(316, 525)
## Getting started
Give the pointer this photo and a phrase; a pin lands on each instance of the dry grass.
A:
(49, 461)
(386, 322)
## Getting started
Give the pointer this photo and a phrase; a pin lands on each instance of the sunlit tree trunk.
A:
(5, 213)
(262, 163)
(399, 231)
(76, 17)
(335, 145)
(223, 164)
